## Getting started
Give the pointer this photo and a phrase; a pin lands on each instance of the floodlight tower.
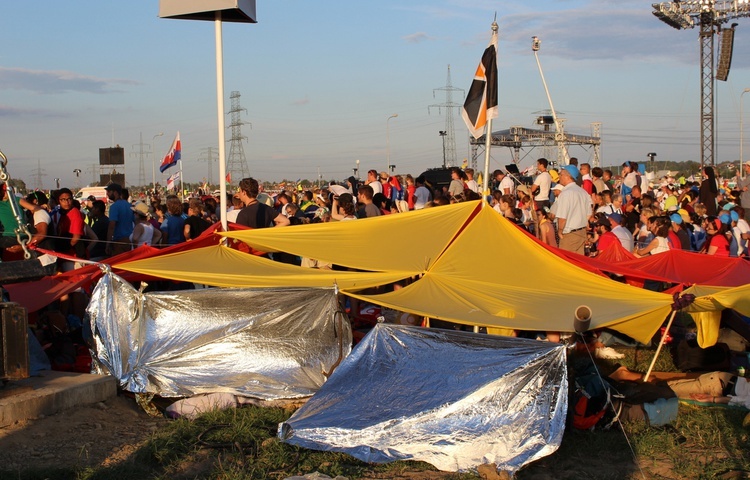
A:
(709, 15)
(562, 151)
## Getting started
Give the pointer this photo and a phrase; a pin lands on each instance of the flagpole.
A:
(182, 190)
(220, 112)
(488, 143)
(487, 146)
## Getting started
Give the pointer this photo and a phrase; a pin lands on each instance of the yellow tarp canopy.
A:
(223, 267)
(493, 275)
(409, 241)
(475, 267)
(709, 302)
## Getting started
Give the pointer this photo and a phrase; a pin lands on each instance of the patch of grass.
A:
(239, 444)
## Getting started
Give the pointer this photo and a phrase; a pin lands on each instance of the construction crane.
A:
(709, 15)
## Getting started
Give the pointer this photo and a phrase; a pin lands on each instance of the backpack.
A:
(590, 398)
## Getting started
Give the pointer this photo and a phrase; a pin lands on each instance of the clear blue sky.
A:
(320, 79)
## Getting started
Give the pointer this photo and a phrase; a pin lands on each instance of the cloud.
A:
(53, 82)
(619, 33)
(301, 101)
(15, 112)
(417, 37)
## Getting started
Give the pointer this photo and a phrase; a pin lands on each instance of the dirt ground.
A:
(99, 434)
(106, 433)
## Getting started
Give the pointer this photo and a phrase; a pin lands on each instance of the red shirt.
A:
(588, 185)
(721, 243)
(410, 189)
(674, 240)
(71, 223)
(606, 240)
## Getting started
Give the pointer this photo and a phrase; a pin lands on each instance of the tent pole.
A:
(661, 344)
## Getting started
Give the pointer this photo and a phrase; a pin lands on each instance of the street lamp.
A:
(77, 171)
(652, 157)
(388, 141)
(742, 131)
(443, 133)
(356, 170)
(153, 160)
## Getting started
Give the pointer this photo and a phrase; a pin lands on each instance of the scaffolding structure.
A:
(518, 139)
(709, 16)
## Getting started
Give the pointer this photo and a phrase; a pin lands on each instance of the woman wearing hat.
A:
(143, 232)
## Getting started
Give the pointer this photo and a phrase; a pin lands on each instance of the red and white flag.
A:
(174, 154)
(172, 180)
(481, 101)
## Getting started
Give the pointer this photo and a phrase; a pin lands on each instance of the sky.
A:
(320, 80)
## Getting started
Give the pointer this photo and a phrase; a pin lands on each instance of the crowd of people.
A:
(584, 210)
(574, 207)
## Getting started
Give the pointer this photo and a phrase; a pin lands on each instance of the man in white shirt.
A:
(470, 182)
(622, 233)
(572, 210)
(542, 183)
(741, 230)
(504, 182)
(374, 181)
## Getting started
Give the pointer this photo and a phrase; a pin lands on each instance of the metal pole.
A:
(388, 142)
(220, 113)
(487, 146)
(742, 130)
(153, 160)
(443, 133)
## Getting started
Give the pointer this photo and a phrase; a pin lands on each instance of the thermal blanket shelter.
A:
(453, 399)
(268, 344)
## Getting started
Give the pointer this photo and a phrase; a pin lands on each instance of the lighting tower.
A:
(449, 139)
(237, 163)
(709, 15)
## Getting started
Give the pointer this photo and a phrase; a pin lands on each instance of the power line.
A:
(237, 163)
(208, 156)
(449, 136)
(37, 174)
(140, 154)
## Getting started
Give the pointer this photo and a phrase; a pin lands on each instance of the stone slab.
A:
(51, 392)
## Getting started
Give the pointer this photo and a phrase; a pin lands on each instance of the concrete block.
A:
(52, 392)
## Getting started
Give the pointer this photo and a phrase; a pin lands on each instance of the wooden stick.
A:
(661, 343)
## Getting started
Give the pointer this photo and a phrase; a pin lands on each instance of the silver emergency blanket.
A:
(456, 400)
(264, 343)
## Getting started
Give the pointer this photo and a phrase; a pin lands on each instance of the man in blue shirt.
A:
(120, 222)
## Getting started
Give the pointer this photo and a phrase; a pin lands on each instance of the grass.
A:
(704, 442)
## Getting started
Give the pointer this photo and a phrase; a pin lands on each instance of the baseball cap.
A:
(676, 218)
(616, 217)
(573, 171)
(113, 187)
